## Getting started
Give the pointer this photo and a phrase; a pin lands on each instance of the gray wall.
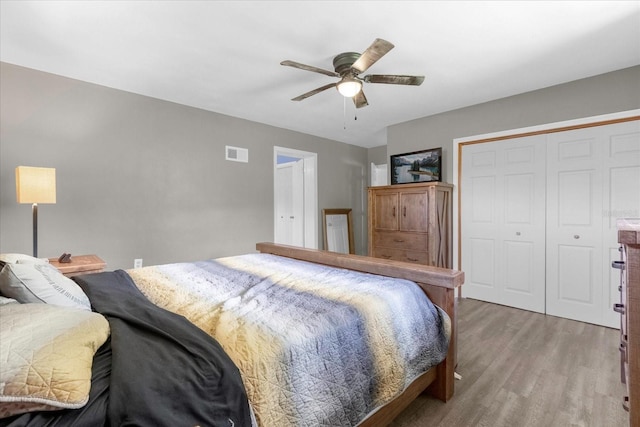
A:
(142, 178)
(607, 93)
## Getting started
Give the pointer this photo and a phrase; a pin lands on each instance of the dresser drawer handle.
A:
(618, 265)
(385, 256)
(618, 308)
(412, 259)
(398, 240)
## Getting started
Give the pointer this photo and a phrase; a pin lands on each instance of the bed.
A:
(285, 337)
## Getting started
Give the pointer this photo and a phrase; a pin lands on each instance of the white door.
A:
(298, 189)
(379, 175)
(503, 222)
(289, 201)
(594, 178)
(574, 225)
(621, 182)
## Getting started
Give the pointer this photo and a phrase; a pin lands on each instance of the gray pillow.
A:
(21, 259)
(41, 283)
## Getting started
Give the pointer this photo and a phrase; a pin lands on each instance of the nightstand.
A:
(80, 264)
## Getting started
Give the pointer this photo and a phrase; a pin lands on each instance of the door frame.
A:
(459, 143)
(310, 191)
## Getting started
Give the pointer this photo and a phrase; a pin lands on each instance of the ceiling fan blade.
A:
(394, 80)
(309, 68)
(377, 50)
(313, 92)
(360, 100)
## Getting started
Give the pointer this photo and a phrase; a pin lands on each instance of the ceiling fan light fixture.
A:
(349, 87)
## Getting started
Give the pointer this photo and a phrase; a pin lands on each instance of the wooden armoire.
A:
(412, 223)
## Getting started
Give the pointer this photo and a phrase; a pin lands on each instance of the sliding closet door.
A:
(503, 222)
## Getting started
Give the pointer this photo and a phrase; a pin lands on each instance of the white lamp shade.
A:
(349, 87)
(35, 185)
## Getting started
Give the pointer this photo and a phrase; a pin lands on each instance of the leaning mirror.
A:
(337, 230)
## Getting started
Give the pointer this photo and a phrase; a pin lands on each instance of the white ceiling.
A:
(224, 56)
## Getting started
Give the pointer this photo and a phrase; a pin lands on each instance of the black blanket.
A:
(157, 368)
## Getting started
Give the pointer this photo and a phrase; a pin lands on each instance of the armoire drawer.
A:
(400, 240)
(419, 257)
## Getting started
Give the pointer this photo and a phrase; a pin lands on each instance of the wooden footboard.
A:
(438, 283)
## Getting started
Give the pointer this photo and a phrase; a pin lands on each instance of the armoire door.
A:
(386, 211)
(503, 222)
(413, 211)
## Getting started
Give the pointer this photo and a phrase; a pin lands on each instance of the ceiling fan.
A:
(349, 65)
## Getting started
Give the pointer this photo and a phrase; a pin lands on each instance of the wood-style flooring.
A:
(521, 368)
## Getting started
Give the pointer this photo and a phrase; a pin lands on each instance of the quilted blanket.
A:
(315, 345)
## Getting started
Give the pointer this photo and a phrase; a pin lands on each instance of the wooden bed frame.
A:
(440, 286)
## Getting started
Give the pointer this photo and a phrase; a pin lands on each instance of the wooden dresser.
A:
(411, 222)
(629, 309)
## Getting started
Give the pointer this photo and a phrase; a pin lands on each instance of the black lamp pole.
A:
(34, 208)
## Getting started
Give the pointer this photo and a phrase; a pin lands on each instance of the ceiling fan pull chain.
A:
(344, 113)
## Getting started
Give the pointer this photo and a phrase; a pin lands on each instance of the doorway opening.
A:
(295, 197)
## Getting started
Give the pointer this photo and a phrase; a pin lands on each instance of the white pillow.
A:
(47, 355)
(41, 283)
(21, 259)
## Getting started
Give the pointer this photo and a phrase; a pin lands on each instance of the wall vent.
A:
(236, 154)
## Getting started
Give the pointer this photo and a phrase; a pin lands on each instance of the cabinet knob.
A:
(517, 233)
(576, 236)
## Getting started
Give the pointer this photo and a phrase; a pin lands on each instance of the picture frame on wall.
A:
(417, 166)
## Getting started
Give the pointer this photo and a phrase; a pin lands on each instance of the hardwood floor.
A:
(521, 368)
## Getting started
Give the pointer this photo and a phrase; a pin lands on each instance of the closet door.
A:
(503, 222)
(621, 181)
(593, 179)
(574, 225)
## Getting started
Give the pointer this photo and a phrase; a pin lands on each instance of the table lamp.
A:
(35, 185)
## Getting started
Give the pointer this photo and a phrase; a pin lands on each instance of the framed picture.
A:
(418, 166)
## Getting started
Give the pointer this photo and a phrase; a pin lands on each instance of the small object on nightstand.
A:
(64, 258)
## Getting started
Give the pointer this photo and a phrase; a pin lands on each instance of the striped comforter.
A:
(316, 345)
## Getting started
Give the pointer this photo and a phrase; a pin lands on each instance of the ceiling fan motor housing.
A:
(342, 63)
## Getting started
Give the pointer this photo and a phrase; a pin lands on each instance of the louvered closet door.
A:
(503, 222)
